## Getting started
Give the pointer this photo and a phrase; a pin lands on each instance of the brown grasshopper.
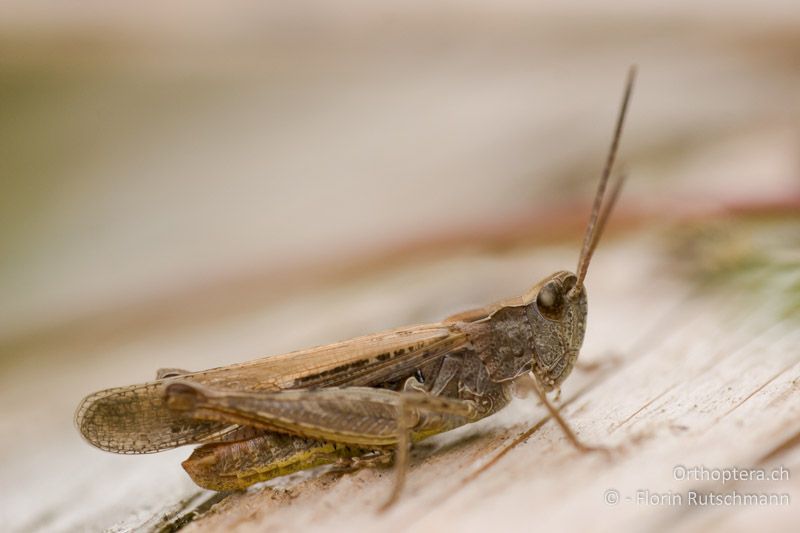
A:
(362, 401)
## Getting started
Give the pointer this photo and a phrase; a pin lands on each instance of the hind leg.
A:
(350, 416)
(236, 465)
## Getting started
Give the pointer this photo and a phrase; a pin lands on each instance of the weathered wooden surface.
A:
(400, 193)
(672, 373)
(674, 377)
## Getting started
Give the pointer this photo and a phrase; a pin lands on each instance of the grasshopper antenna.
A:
(598, 218)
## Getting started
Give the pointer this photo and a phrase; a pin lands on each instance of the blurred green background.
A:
(148, 152)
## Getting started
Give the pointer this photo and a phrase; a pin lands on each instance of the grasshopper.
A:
(363, 401)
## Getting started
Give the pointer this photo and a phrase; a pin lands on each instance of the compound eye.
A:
(550, 301)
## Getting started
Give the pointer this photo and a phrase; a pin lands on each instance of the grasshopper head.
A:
(557, 315)
(542, 331)
(557, 304)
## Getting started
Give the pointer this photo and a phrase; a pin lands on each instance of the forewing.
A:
(136, 419)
